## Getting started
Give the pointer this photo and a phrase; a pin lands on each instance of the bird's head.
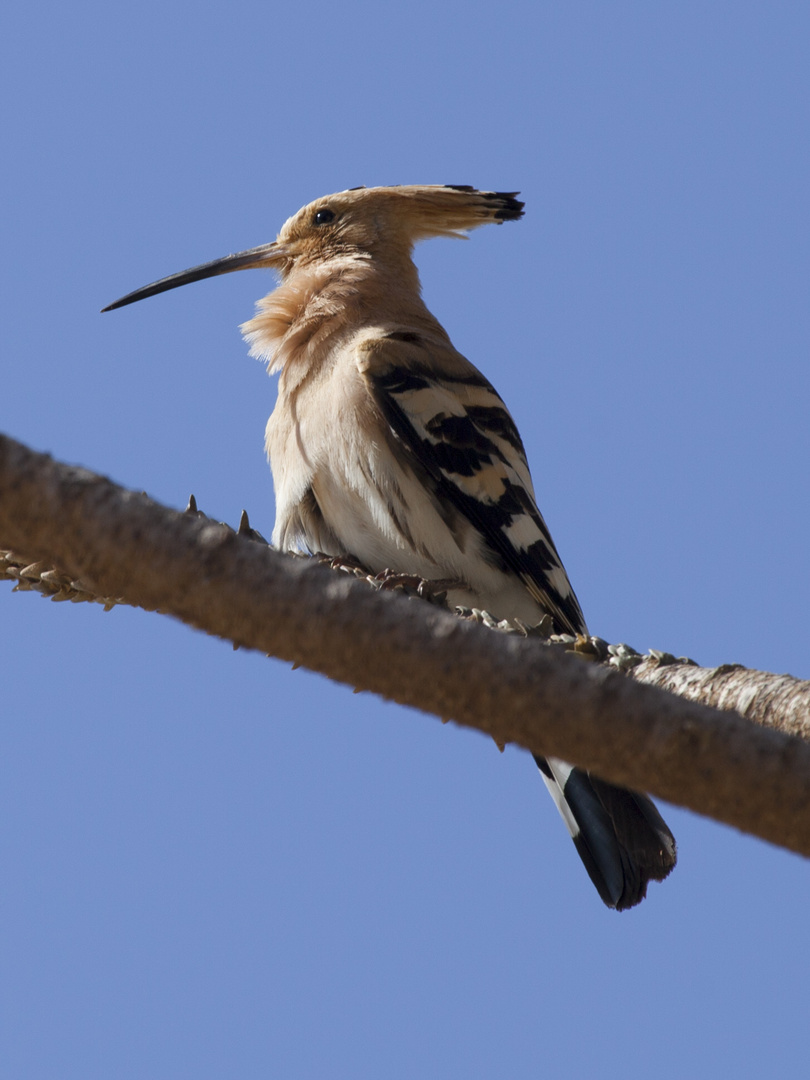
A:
(385, 221)
(379, 223)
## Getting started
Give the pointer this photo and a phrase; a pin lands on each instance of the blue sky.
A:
(214, 866)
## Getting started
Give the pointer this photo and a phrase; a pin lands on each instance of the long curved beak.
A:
(266, 255)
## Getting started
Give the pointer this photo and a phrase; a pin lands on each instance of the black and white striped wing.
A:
(450, 419)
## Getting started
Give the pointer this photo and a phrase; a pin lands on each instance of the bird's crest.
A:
(367, 218)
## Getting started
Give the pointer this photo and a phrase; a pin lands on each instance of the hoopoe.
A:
(390, 448)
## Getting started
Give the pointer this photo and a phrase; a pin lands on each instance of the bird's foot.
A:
(432, 589)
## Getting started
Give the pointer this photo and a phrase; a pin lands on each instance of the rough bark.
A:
(777, 701)
(121, 545)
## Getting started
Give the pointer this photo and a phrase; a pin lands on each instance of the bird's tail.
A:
(620, 836)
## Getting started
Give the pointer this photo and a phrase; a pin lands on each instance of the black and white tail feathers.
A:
(619, 835)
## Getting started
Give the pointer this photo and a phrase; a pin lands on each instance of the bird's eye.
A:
(323, 217)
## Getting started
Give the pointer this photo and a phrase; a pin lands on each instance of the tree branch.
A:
(120, 544)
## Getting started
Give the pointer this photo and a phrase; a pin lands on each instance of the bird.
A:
(390, 448)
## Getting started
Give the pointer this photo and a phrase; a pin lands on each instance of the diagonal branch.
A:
(516, 689)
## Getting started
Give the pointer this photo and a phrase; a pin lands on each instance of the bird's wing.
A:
(450, 423)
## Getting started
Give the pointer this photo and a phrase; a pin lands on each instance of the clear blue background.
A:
(215, 867)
